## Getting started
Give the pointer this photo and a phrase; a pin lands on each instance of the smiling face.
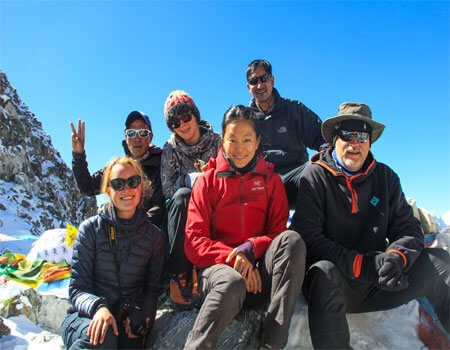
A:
(189, 131)
(240, 142)
(138, 146)
(127, 200)
(352, 154)
(261, 91)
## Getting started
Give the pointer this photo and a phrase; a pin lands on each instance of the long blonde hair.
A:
(146, 183)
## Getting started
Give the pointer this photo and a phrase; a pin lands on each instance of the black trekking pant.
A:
(291, 182)
(331, 296)
(176, 224)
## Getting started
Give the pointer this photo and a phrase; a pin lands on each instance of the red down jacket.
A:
(227, 209)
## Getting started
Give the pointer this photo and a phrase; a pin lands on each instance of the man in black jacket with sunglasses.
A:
(288, 127)
(365, 249)
(137, 145)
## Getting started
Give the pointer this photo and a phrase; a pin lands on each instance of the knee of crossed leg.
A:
(294, 246)
(230, 285)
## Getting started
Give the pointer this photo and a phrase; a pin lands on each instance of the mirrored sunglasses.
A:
(262, 78)
(352, 136)
(142, 133)
(176, 122)
(118, 184)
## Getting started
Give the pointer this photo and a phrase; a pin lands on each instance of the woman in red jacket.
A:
(236, 236)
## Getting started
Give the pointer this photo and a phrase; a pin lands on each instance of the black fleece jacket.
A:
(339, 216)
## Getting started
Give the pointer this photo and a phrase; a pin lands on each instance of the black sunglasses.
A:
(118, 184)
(176, 122)
(142, 133)
(262, 78)
(358, 136)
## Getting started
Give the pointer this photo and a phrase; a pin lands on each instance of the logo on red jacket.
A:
(257, 185)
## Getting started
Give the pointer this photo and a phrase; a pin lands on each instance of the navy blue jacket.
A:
(290, 128)
(94, 280)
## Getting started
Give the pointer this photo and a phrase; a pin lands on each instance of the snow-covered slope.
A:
(37, 189)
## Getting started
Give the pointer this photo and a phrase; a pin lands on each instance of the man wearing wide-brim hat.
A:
(365, 248)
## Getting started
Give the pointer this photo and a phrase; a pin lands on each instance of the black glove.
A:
(383, 270)
(389, 267)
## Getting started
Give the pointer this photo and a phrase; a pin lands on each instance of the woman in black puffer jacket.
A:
(117, 266)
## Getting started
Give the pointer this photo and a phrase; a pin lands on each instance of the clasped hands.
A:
(249, 273)
(385, 270)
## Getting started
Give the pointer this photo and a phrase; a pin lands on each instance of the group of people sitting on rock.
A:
(211, 211)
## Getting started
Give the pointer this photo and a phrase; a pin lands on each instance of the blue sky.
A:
(99, 60)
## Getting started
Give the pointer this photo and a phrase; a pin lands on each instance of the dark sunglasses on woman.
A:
(118, 184)
(176, 122)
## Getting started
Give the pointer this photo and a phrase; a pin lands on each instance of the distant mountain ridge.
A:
(37, 188)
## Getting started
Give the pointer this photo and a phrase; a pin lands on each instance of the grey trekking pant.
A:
(282, 269)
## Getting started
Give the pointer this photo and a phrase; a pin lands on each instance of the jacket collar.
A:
(152, 150)
(224, 169)
(276, 103)
(108, 213)
(325, 160)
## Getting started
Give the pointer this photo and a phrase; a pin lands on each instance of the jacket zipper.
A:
(348, 181)
(125, 253)
(355, 209)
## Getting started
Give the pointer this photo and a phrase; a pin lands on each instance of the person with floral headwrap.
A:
(190, 146)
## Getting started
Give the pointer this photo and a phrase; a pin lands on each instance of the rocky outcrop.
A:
(34, 180)
(171, 329)
(47, 311)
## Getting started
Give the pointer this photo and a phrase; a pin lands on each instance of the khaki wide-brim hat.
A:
(355, 111)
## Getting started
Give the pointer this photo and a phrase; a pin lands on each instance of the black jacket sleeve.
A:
(311, 128)
(81, 286)
(404, 231)
(152, 287)
(157, 210)
(87, 184)
(282, 158)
